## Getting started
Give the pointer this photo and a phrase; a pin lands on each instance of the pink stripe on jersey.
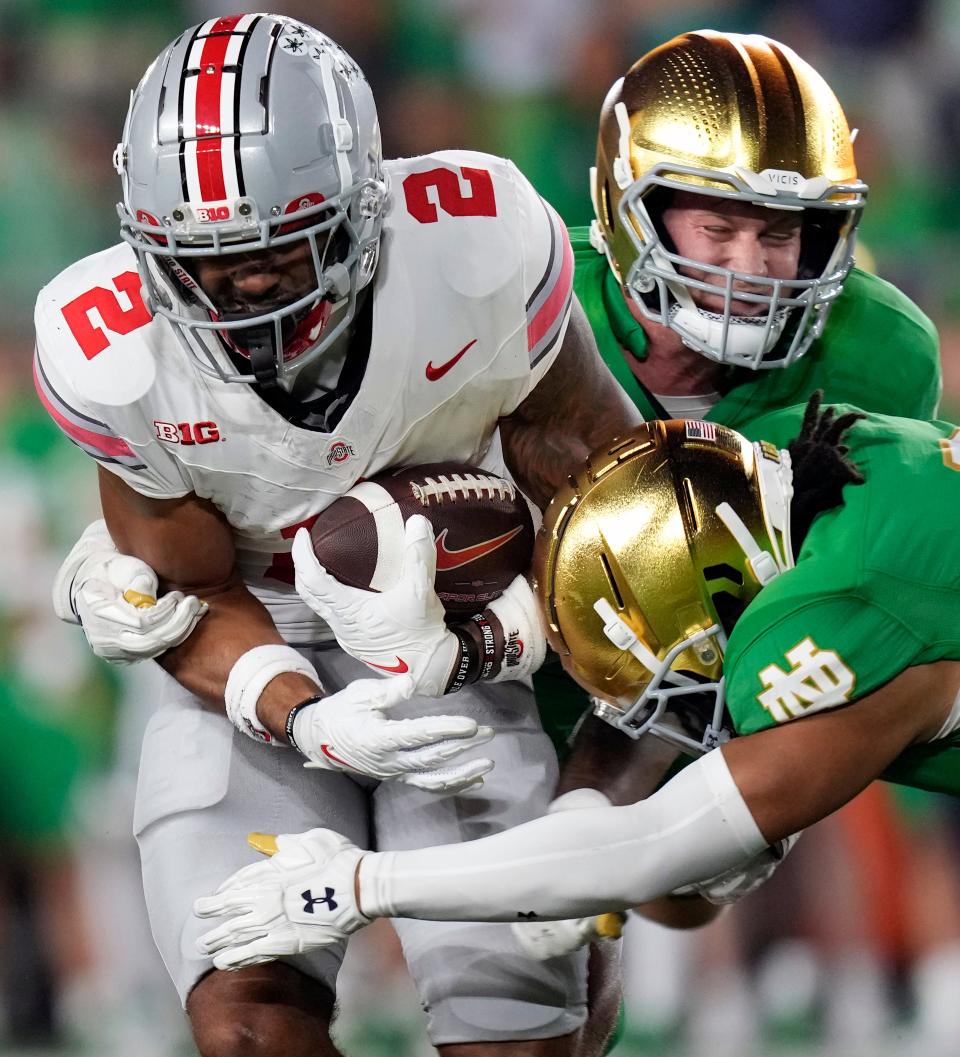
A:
(108, 445)
(213, 187)
(556, 301)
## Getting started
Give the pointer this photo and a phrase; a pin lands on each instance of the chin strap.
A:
(762, 563)
(260, 345)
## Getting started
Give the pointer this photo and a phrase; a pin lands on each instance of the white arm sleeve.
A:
(574, 863)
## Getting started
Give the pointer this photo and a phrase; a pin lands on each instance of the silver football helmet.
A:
(253, 134)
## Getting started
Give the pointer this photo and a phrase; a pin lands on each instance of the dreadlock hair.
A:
(820, 465)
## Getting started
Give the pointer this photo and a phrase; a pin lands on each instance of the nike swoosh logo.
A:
(448, 559)
(399, 668)
(325, 749)
(433, 373)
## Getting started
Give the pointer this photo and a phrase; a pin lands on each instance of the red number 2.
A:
(107, 305)
(449, 194)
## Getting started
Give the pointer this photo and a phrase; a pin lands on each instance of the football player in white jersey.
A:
(287, 314)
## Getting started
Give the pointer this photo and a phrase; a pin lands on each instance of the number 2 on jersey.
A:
(115, 318)
(449, 194)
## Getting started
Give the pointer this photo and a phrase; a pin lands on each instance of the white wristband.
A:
(525, 644)
(248, 678)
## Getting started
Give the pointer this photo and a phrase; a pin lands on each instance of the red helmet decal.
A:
(305, 201)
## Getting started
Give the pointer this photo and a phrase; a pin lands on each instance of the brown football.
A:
(482, 525)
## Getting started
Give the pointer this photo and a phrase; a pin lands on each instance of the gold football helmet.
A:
(730, 116)
(646, 558)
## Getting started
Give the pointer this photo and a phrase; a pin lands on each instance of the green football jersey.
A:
(876, 590)
(878, 351)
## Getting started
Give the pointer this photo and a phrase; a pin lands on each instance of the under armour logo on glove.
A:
(310, 901)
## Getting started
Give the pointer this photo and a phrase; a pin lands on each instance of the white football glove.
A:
(298, 900)
(732, 885)
(553, 939)
(395, 631)
(347, 731)
(113, 597)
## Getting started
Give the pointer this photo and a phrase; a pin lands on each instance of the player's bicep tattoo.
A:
(576, 407)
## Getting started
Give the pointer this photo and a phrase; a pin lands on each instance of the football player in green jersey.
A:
(806, 601)
(718, 273)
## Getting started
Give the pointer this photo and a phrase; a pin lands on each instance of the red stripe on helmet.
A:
(226, 25)
(209, 90)
(213, 187)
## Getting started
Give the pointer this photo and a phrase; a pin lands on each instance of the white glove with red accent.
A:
(553, 939)
(300, 899)
(732, 885)
(395, 631)
(348, 731)
(113, 597)
(402, 629)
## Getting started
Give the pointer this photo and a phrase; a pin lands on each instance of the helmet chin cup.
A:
(744, 340)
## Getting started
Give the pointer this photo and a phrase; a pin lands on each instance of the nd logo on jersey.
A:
(818, 679)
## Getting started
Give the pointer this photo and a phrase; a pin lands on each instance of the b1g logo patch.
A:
(187, 433)
(818, 679)
(339, 451)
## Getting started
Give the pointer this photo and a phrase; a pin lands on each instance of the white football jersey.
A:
(471, 299)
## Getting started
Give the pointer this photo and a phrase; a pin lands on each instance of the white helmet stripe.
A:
(335, 107)
(209, 105)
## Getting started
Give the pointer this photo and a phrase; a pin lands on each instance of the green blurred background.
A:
(856, 948)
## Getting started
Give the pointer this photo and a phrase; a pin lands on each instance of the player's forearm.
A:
(237, 622)
(679, 912)
(577, 406)
(623, 769)
(575, 863)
